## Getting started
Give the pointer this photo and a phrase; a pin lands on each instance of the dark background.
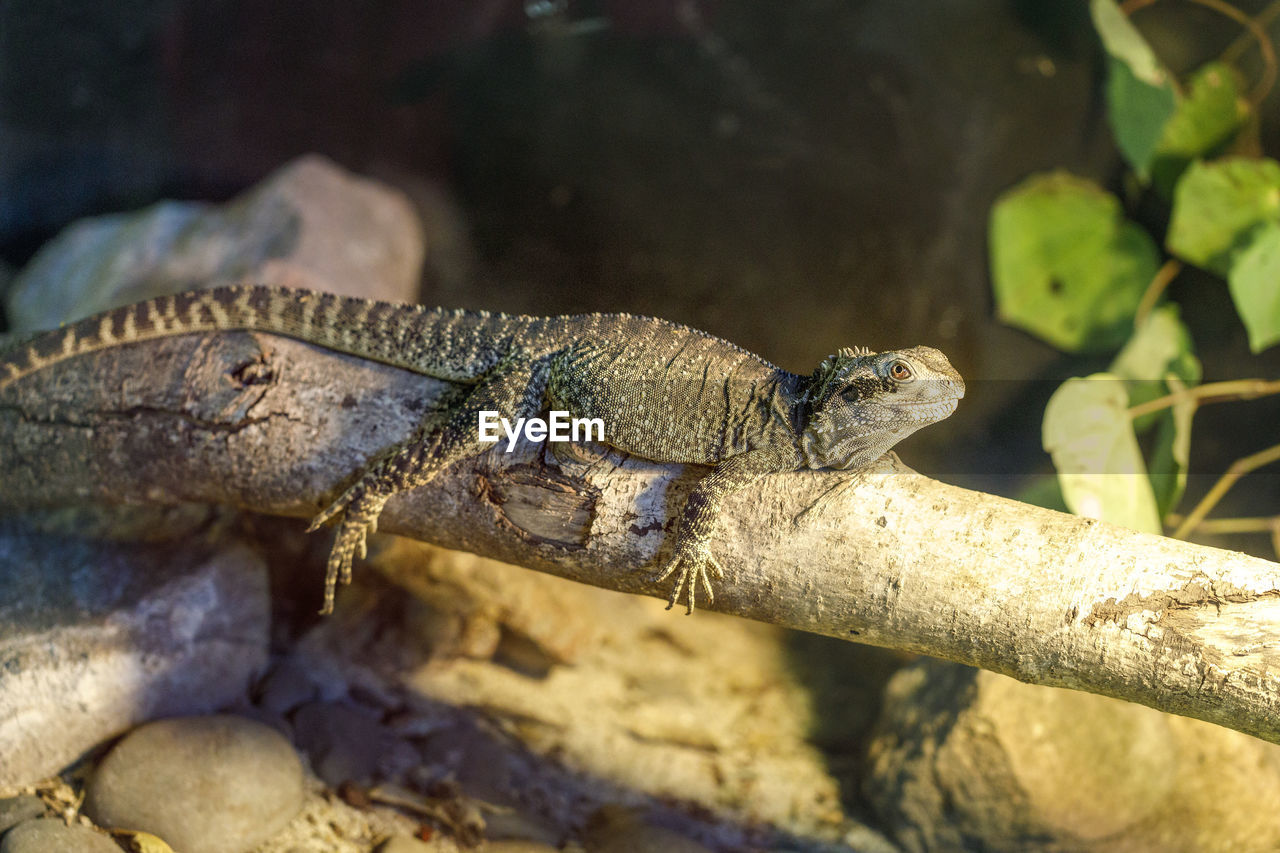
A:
(795, 177)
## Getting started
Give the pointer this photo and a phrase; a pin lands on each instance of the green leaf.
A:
(1043, 491)
(1254, 281)
(1156, 361)
(1171, 452)
(1207, 118)
(1140, 92)
(1065, 263)
(1087, 432)
(1121, 40)
(1217, 206)
(1159, 347)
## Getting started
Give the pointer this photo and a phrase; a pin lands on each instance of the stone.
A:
(311, 224)
(517, 847)
(617, 829)
(344, 741)
(964, 758)
(14, 810)
(53, 836)
(288, 685)
(405, 844)
(511, 824)
(97, 637)
(215, 784)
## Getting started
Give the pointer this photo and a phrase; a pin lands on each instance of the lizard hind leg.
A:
(359, 519)
(402, 466)
(443, 438)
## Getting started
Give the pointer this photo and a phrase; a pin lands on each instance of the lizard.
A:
(666, 392)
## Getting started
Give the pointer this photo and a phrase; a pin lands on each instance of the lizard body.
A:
(665, 392)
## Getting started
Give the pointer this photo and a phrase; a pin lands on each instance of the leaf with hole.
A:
(1088, 434)
(1065, 263)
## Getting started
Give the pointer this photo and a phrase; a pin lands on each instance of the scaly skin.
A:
(665, 392)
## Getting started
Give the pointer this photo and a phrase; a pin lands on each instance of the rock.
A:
(405, 844)
(482, 608)
(14, 810)
(261, 715)
(97, 637)
(287, 686)
(515, 826)
(311, 224)
(964, 758)
(616, 829)
(344, 741)
(216, 784)
(53, 836)
(517, 847)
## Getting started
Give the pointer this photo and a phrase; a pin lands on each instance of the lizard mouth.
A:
(934, 410)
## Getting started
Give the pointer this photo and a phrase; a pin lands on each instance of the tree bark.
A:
(884, 556)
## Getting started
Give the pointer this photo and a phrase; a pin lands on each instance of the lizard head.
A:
(861, 403)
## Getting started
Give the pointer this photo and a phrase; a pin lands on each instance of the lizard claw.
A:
(359, 518)
(693, 565)
(333, 509)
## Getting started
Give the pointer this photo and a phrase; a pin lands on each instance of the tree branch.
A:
(885, 556)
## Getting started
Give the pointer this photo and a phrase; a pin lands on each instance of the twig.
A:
(1237, 48)
(1166, 274)
(1237, 470)
(1213, 392)
(1232, 526)
(1265, 47)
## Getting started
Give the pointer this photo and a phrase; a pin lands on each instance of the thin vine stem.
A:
(1236, 49)
(1232, 526)
(1167, 273)
(1237, 470)
(1265, 47)
(1213, 392)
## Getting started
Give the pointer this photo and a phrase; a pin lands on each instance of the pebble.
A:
(14, 810)
(516, 826)
(286, 687)
(405, 844)
(53, 836)
(215, 784)
(344, 741)
(617, 829)
(517, 847)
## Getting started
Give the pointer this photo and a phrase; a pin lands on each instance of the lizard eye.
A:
(900, 371)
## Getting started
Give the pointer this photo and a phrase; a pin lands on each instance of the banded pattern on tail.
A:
(401, 335)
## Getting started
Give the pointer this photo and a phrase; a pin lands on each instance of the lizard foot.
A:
(692, 566)
(360, 511)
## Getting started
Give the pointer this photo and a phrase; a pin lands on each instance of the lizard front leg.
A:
(443, 438)
(691, 560)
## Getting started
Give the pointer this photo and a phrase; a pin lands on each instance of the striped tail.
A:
(381, 331)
